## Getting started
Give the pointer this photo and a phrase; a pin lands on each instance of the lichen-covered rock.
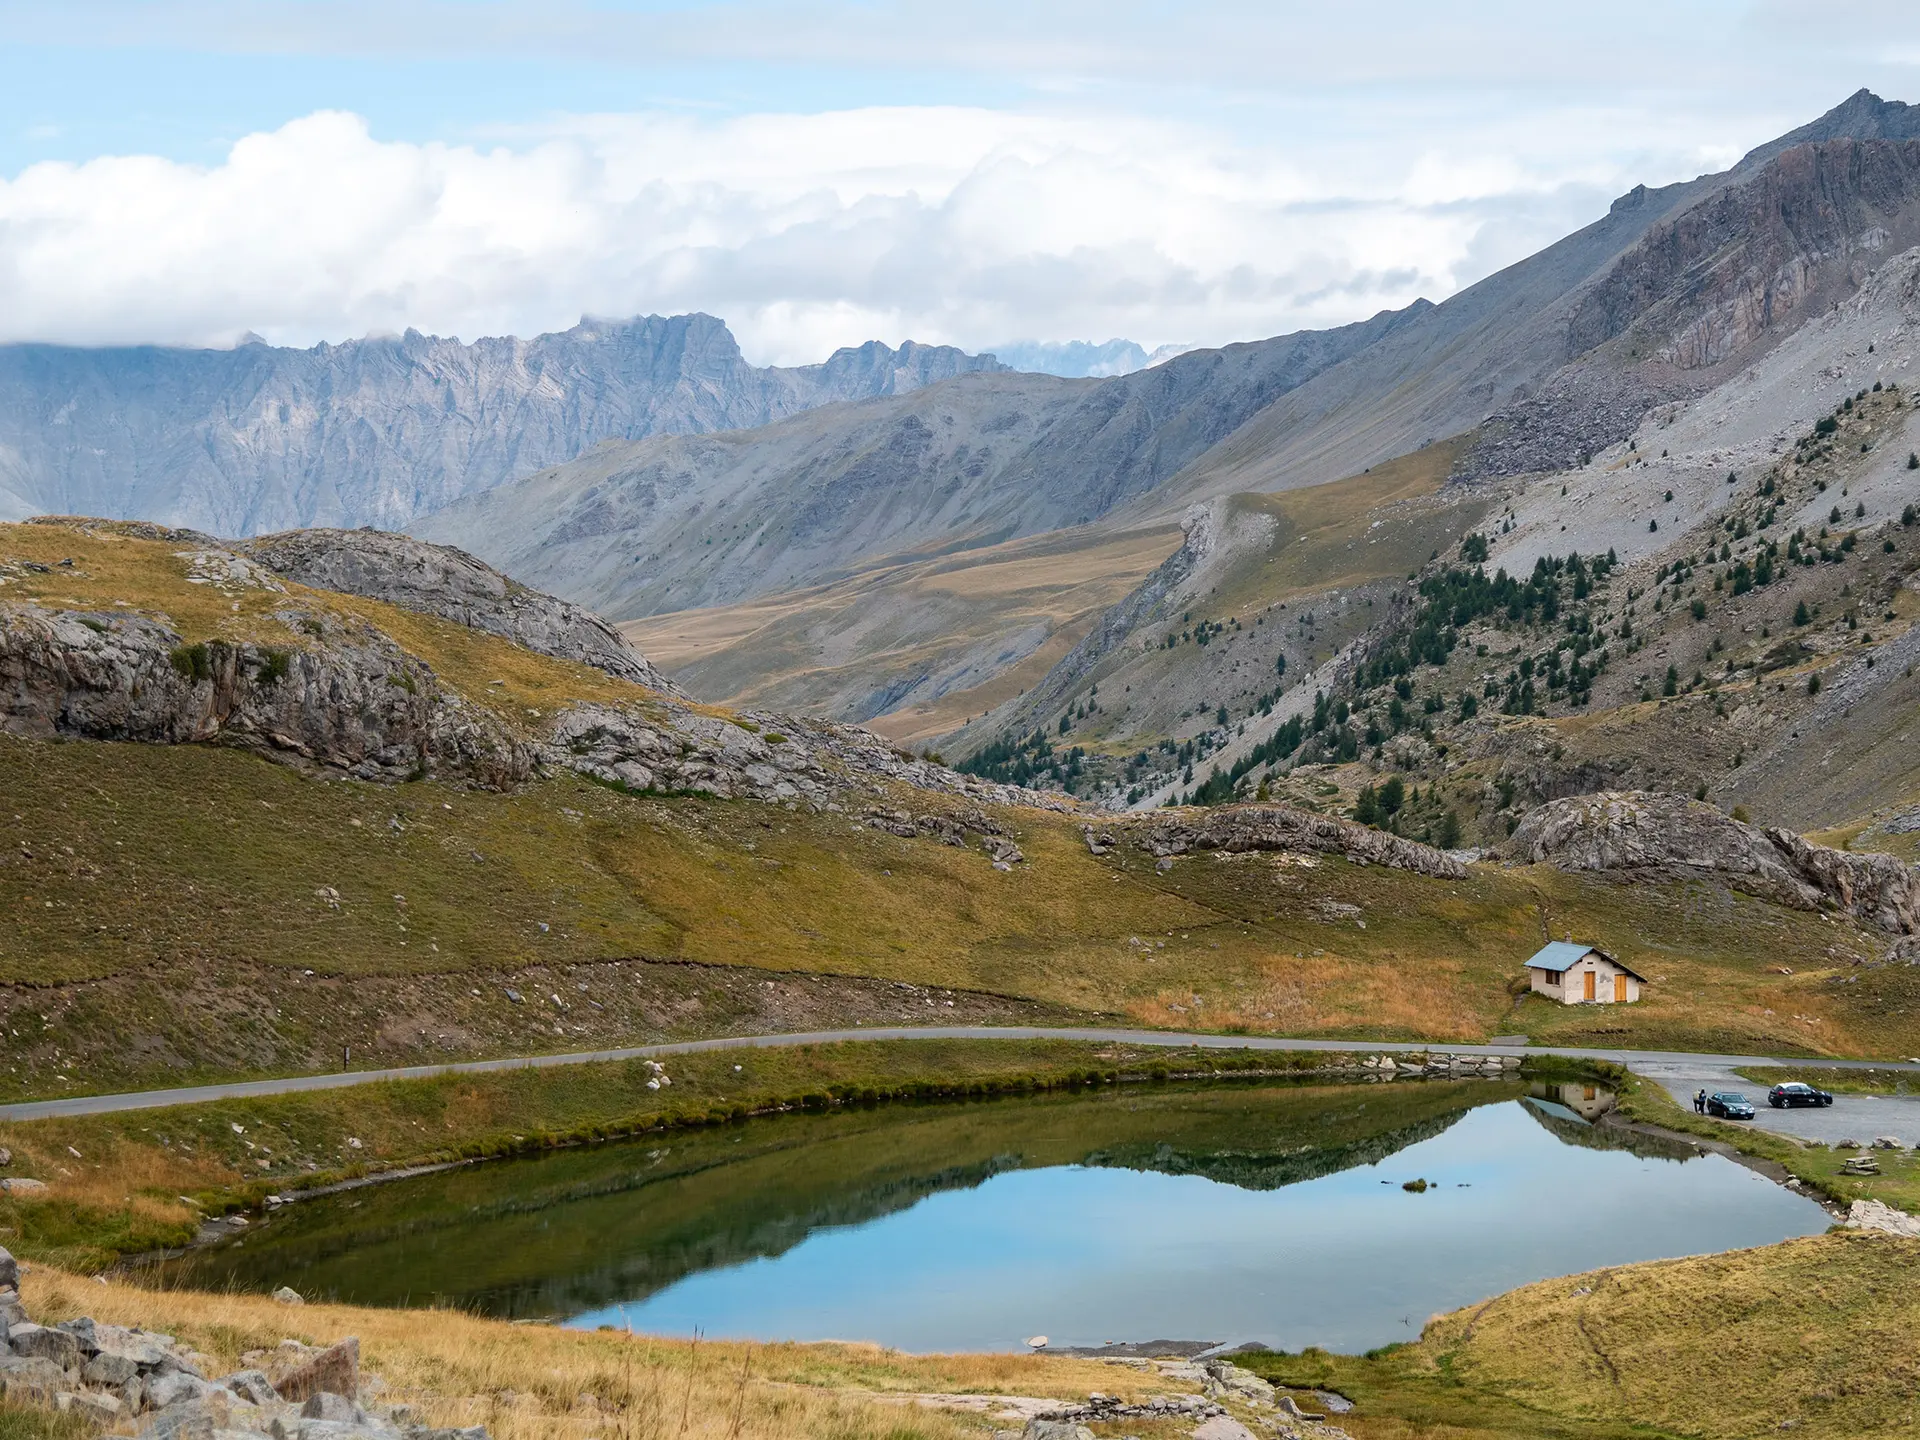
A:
(1651, 834)
(39, 1342)
(355, 702)
(334, 1371)
(441, 580)
(1238, 828)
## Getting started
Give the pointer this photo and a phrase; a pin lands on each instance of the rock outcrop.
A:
(1647, 834)
(116, 1378)
(1236, 828)
(440, 580)
(343, 696)
(353, 702)
(1707, 287)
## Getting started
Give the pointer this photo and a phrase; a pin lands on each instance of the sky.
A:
(824, 172)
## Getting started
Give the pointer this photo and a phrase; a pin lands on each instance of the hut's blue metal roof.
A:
(1559, 956)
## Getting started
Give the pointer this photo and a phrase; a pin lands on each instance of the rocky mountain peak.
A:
(1863, 115)
(384, 429)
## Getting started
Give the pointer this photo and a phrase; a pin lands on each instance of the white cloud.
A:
(954, 224)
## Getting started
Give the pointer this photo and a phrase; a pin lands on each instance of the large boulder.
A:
(1653, 835)
(1237, 828)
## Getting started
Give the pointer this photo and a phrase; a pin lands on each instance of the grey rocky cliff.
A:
(440, 580)
(380, 430)
(1797, 228)
(1239, 828)
(355, 702)
(1653, 835)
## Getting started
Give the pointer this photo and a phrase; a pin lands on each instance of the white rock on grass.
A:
(1876, 1215)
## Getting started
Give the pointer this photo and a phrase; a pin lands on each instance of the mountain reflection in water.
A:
(1144, 1212)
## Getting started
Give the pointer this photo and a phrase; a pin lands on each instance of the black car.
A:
(1729, 1105)
(1794, 1093)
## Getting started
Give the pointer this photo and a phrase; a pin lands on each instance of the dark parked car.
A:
(1729, 1105)
(1794, 1093)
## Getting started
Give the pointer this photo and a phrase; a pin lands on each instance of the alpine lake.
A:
(1281, 1213)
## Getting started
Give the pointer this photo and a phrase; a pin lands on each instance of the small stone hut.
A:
(1576, 974)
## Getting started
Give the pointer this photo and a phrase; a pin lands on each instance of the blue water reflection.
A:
(1347, 1261)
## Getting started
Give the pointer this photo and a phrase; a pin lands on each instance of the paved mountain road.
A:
(1653, 1062)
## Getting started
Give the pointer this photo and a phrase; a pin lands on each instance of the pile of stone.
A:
(1099, 1409)
(1220, 1379)
(1433, 1064)
(119, 1378)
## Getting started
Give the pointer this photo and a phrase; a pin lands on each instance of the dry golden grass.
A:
(528, 1381)
(812, 649)
(919, 723)
(1326, 992)
(144, 576)
(1348, 531)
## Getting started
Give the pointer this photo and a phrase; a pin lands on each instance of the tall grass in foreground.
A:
(537, 1382)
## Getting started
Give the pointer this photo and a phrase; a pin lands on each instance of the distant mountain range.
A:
(1546, 361)
(379, 431)
(1081, 359)
(645, 469)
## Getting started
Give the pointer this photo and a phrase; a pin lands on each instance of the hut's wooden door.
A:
(1619, 989)
(1592, 981)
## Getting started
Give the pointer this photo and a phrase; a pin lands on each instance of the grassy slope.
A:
(163, 906)
(1326, 546)
(1373, 526)
(828, 649)
(171, 899)
(1814, 1331)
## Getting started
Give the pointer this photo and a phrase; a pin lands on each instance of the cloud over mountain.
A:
(940, 223)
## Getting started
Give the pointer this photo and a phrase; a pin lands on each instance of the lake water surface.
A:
(1228, 1213)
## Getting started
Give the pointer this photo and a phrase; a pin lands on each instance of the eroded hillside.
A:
(1721, 605)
